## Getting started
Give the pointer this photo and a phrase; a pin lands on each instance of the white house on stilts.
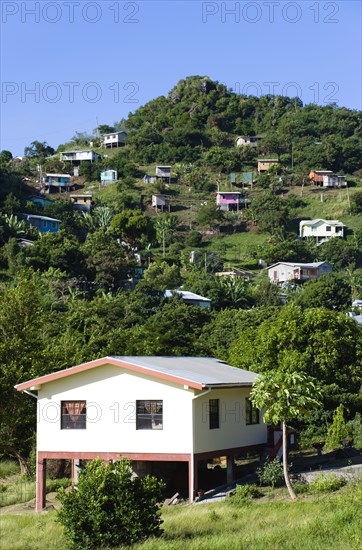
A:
(159, 410)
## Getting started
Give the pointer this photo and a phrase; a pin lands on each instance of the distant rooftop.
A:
(312, 222)
(311, 265)
(44, 218)
(186, 295)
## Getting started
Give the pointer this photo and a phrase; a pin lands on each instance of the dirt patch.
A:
(29, 507)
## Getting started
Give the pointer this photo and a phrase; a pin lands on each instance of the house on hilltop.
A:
(320, 229)
(265, 164)
(42, 223)
(114, 139)
(326, 178)
(82, 201)
(251, 141)
(282, 272)
(75, 157)
(189, 298)
(230, 200)
(168, 414)
(58, 182)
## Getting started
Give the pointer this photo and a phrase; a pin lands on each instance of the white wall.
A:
(111, 394)
(233, 431)
(319, 230)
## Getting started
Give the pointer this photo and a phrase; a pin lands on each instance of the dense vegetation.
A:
(70, 297)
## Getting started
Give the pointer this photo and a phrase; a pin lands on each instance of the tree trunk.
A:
(23, 463)
(292, 494)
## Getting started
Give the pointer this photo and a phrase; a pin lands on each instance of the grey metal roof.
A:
(204, 370)
(330, 222)
(311, 265)
(186, 295)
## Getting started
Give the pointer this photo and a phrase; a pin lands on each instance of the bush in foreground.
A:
(109, 507)
(245, 493)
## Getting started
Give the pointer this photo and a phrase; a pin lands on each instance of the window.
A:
(149, 415)
(73, 415)
(328, 228)
(251, 413)
(214, 421)
(54, 225)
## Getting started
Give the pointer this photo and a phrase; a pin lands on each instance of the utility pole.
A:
(205, 262)
(163, 243)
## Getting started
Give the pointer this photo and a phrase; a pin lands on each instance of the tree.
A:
(327, 343)
(330, 291)
(24, 354)
(337, 430)
(39, 150)
(5, 157)
(285, 395)
(165, 229)
(209, 216)
(110, 507)
(163, 276)
(133, 226)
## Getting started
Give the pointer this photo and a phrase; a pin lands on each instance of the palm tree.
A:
(285, 395)
(16, 227)
(165, 228)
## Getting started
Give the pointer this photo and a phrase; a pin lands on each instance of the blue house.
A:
(42, 223)
(61, 182)
(41, 201)
(108, 176)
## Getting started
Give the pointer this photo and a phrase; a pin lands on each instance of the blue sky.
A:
(65, 64)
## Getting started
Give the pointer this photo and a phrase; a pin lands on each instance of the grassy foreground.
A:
(318, 522)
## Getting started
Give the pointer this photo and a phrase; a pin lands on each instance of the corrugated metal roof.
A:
(312, 222)
(311, 265)
(204, 370)
(186, 295)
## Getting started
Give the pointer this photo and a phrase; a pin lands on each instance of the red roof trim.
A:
(107, 361)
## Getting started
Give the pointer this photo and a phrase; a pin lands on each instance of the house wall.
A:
(111, 394)
(281, 273)
(319, 230)
(227, 199)
(233, 431)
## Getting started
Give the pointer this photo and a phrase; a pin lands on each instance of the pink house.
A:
(229, 200)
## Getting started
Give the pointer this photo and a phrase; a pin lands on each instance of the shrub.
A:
(271, 473)
(8, 468)
(245, 493)
(337, 430)
(354, 428)
(110, 507)
(326, 483)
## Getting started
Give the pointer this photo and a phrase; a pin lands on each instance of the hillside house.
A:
(265, 164)
(163, 172)
(230, 200)
(114, 139)
(251, 141)
(42, 223)
(189, 298)
(334, 181)
(161, 201)
(170, 414)
(282, 272)
(57, 182)
(108, 177)
(149, 179)
(321, 230)
(41, 201)
(316, 176)
(82, 202)
(75, 157)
